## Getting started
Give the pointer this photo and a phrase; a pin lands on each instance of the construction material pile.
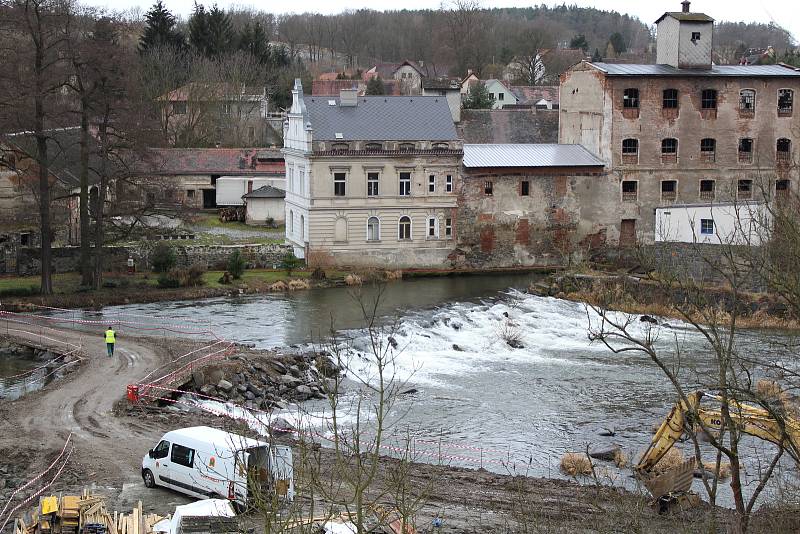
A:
(84, 514)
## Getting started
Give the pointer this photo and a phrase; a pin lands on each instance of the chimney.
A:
(685, 5)
(348, 98)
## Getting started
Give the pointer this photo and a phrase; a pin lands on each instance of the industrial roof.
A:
(622, 69)
(529, 155)
(380, 118)
(266, 191)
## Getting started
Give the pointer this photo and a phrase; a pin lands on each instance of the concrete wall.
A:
(508, 126)
(568, 212)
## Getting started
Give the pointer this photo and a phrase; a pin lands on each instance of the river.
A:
(478, 401)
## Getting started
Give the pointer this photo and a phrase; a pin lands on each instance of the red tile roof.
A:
(222, 161)
(530, 95)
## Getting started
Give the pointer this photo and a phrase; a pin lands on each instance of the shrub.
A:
(194, 275)
(191, 277)
(236, 264)
(162, 258)
(290, 263)
(574, 463)
(24, 291)
(169, 280)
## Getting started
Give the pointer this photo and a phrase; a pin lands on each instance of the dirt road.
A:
(107, 447)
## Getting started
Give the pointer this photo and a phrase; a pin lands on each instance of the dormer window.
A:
(340, 147)
(406, 147)
(441, 146)
(373, 147)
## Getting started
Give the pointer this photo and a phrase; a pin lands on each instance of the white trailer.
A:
(231, 188)
(207, 462)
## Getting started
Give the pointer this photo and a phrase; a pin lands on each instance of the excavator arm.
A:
(749, 420)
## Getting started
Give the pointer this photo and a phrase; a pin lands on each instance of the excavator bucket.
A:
(676, 479)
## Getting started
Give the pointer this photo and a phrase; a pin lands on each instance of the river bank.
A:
(649, 297)
(21, 293)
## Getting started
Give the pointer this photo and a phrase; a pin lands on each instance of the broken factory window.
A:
(630, 98)
(747, 101)
(669, 190)
(745, 150)
(782, 188)
(783, 154)
(707, 189)
(695, 37)
(785, 102)
(524, 188)
(669, 150)
(630, 190)
(708, 147)
(744, 189)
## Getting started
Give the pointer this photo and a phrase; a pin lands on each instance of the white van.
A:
(208, 462)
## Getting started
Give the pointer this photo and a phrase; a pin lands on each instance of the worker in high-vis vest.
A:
(111, 339)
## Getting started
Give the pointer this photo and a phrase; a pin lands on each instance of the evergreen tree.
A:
(478, 97)
(597, 56)
(579, 41)
(199, 33)
(618, 42)
(375, 86)
(221, 35)
(160, 30)
(253, 39)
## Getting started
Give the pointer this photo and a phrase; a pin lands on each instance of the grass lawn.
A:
(211, 220)
(254, 275)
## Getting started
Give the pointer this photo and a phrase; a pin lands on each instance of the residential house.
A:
(531, 204)
(194, 172)
(684, 130)
(216, 114)
(543, 97)
(371, 180)
(450, 88)
(407, 73)
(468, 82)
(502, 94)
(265, 206)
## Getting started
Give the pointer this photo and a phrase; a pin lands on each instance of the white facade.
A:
(231, 188)
(502, 94)
(744, 223)
(297, 146)
(261, 209)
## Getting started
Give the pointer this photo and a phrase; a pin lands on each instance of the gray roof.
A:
(622, 69)
(685, 17)
(266, 191)
(382, 118)
(529, 155)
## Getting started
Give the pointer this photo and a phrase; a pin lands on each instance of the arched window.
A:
(373, 229)
(440, 146)
(341, 147)
(340, 230)
(373, 146)
(291, 222)
(302, 226)
(404, 228)
(630, 146)
(406, 147)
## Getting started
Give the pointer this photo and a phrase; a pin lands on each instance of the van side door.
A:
(182, 473)
(161, 461)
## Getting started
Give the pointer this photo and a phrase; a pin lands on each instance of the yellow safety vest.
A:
(110, 336)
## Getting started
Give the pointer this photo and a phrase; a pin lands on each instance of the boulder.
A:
(289, 380)
(208, 390)
(294, 370)
(303, 392)
(606, 454)
(198, 378)
(225, 386)
(515, 344)
(249, 395)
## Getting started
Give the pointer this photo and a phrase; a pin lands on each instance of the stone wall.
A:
(66, 259)
(508, 126)
(567, 215)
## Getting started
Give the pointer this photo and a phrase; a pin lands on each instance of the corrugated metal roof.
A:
(528, 155)
(622, 69)
(380, 118)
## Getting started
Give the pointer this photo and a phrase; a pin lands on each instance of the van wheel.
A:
(149, 479)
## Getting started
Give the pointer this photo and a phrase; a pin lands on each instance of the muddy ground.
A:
(109, 445)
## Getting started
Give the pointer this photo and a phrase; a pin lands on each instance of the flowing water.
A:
(22, 372)
(479, 402)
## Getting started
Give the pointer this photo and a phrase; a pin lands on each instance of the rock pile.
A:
(258, 381)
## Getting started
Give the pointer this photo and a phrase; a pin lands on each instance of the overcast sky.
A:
(647, 10)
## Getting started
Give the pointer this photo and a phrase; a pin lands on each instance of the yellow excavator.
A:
(689, 414)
